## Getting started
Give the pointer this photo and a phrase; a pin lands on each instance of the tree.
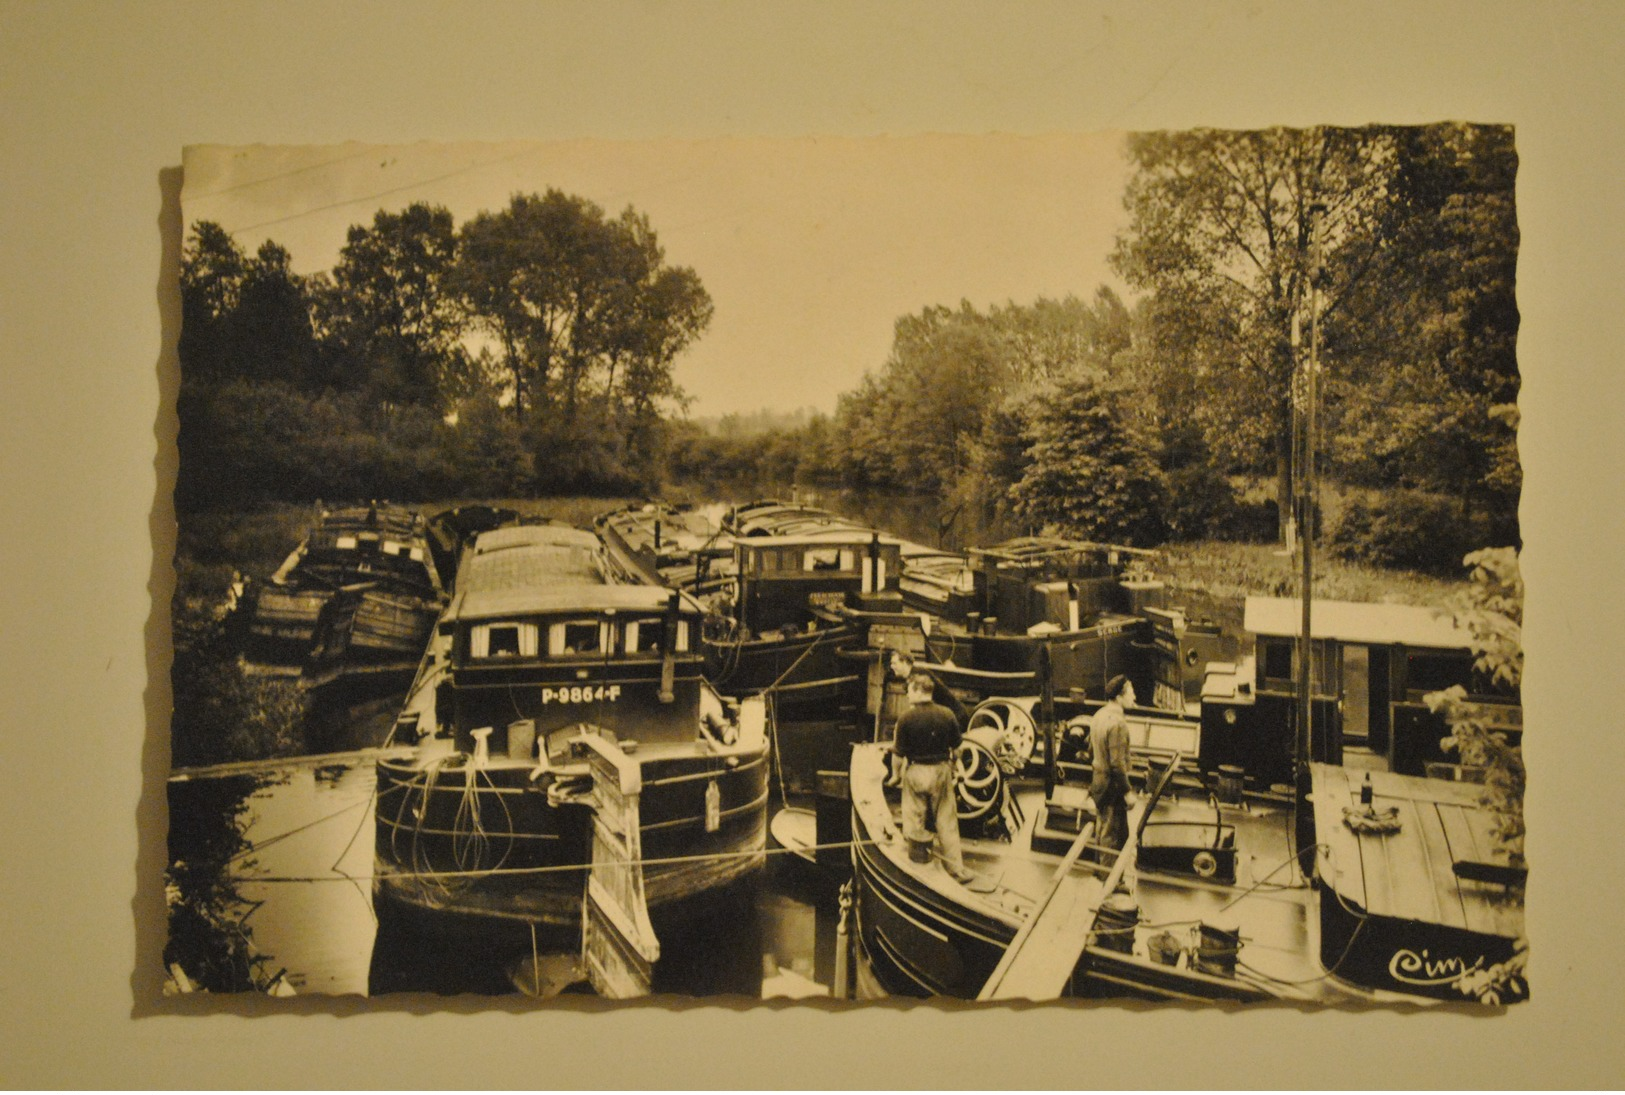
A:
(929, 419)
(1090, 471)
(1220, 236)
(212, 266)
(273, 335)
(578, 303)
(1436, 407)
(244, 317)
(385, 315)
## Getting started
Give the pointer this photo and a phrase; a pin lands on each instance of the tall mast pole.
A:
(1308, 480)
(1306, 520)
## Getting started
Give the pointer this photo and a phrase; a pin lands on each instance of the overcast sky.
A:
(810, 248)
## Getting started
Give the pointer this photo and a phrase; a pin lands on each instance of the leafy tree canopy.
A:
(1090, 471)
(1416, 308)
(385, 315)
(578, 303)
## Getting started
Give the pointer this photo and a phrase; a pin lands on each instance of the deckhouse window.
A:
(576, 637)
(832, 560)
(778, 561)
(643, 636)
(1432, 671)
(1280, 665)
(1277, 659)
(503, 640)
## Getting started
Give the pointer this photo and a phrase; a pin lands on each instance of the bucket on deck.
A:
(1216, 950)
(1115, 923)
(1165, 948)
(1229, 782)
(522, 739)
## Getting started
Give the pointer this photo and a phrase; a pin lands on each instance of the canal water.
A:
(922, 518)
(276, 865)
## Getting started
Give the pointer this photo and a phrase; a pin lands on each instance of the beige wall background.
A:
(96, 102)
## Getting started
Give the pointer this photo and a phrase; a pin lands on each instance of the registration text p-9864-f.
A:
(582, 693)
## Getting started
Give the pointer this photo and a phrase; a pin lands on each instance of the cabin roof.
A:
(528, 569)
(1025, 549)
(536, 566)
(843, 537)
(515, 536)
(1354, 622)
(382, 517)
(559, 598)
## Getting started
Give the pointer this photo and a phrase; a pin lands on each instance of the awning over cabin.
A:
(1354, 622)
(563, 598)
(502, 539)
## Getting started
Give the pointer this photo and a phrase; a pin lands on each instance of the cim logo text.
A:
(1410, 968)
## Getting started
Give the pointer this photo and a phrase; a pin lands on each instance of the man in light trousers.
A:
(927, 735)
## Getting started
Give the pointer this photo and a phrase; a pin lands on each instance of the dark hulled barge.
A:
(359, 590)
(1045, 917)
(793, 607)
(564, 729)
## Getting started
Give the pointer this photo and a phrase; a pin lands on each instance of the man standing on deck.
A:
(1109, 786)
(927, 735)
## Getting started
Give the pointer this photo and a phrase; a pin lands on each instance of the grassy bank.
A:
(1229, 570)
(1212, 579)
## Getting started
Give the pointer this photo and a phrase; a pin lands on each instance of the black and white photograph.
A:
(977, 568)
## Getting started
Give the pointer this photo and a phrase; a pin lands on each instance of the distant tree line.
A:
(1141, 423)
(529, 350)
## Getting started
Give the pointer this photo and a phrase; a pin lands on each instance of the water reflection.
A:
(271, 876)
(922, 518)
(211, 944)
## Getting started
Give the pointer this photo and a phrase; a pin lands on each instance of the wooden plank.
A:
(1044, 961)
(1012, 960)
(1403, 863)
(1487, 907)
(1332, 793)
(1466, 840)
(618, 944)
(1047, 948)
(1437, 860)
(1421, 789)
(1383, 896)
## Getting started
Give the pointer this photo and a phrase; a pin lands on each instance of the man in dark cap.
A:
(927, 735)
(1109, 786)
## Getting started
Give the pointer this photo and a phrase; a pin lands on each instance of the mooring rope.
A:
(793, 665)
(560, 868)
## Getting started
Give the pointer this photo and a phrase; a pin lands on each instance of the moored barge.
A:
(360, 589)
(561, 710)
(1383, 883)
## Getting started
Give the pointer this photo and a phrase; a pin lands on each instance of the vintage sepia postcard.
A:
(991, 568)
